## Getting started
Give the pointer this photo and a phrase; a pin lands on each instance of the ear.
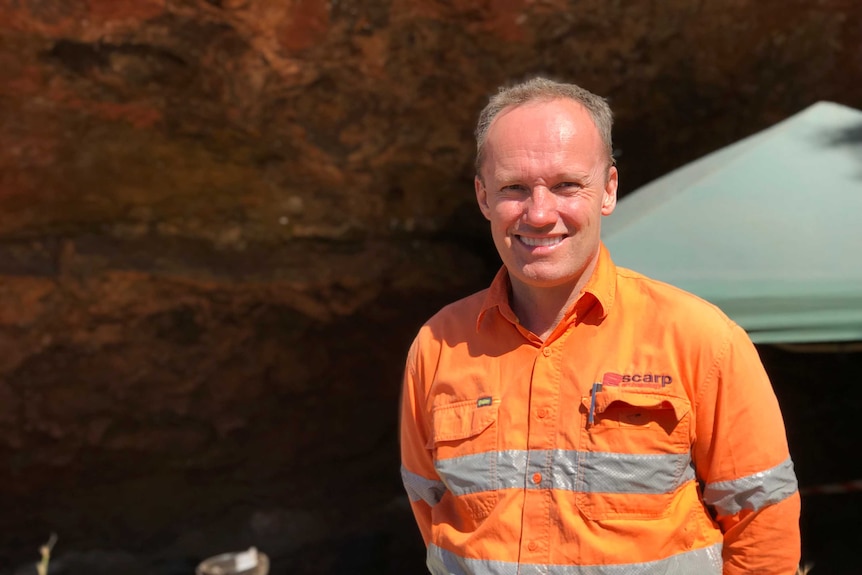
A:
(609, 197)
(482, 197)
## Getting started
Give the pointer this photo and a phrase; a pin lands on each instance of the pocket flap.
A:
(462, 420)
(643, 400)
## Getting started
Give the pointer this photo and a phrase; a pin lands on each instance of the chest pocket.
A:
(466, 452)
(634, 456)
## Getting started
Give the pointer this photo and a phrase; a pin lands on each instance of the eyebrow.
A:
(558, 177)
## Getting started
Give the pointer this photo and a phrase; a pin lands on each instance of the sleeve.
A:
(420, 479)
(742, 458)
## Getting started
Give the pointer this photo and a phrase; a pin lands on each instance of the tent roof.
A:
(769, 228)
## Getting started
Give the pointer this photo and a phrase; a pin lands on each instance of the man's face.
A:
(545, 183)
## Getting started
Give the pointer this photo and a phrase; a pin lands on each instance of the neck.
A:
(541, 313)
(541, 309)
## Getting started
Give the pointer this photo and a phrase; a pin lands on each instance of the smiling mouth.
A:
(540, 242)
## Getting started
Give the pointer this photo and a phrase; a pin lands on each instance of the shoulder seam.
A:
(719, 358)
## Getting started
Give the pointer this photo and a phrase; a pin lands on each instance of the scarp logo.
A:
(655, 380)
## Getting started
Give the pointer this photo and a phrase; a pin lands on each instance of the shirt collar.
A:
(498, 297)
(602, 285)
(600, 290)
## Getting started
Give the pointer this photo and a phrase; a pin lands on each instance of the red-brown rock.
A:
(221, 221)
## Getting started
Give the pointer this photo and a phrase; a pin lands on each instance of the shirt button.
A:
(546, 352)
(542, 413)
(537, 478)
(532, 545)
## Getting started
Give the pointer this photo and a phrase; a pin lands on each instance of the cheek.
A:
(506, 213)
(583, 215)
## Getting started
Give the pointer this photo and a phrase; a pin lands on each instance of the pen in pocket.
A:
(597, 387)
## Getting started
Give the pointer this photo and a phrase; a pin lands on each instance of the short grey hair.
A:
(541, 89)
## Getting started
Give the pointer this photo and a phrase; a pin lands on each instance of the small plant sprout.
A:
(45, 551)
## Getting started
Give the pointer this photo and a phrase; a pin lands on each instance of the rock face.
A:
(221, 222)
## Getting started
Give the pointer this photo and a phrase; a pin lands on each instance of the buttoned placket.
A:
(544, 397)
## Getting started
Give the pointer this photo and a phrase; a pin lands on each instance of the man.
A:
(576, 417)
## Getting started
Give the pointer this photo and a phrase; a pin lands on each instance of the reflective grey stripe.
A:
(472, 473)
(706, 561)
(581, 471)
(753, 492)
(420, 488)
(628, 473)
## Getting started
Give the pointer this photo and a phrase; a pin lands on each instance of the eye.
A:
(514, 188)
(567, 187)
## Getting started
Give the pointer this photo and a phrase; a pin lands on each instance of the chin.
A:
(545, 280)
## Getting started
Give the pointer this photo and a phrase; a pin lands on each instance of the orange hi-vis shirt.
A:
(642, 437)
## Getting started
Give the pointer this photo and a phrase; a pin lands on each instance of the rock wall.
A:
(221, 222)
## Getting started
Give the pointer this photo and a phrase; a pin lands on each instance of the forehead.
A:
(559, 132)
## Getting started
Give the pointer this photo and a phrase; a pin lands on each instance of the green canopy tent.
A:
(769, 228)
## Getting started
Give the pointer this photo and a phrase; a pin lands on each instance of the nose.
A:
(541, 208)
